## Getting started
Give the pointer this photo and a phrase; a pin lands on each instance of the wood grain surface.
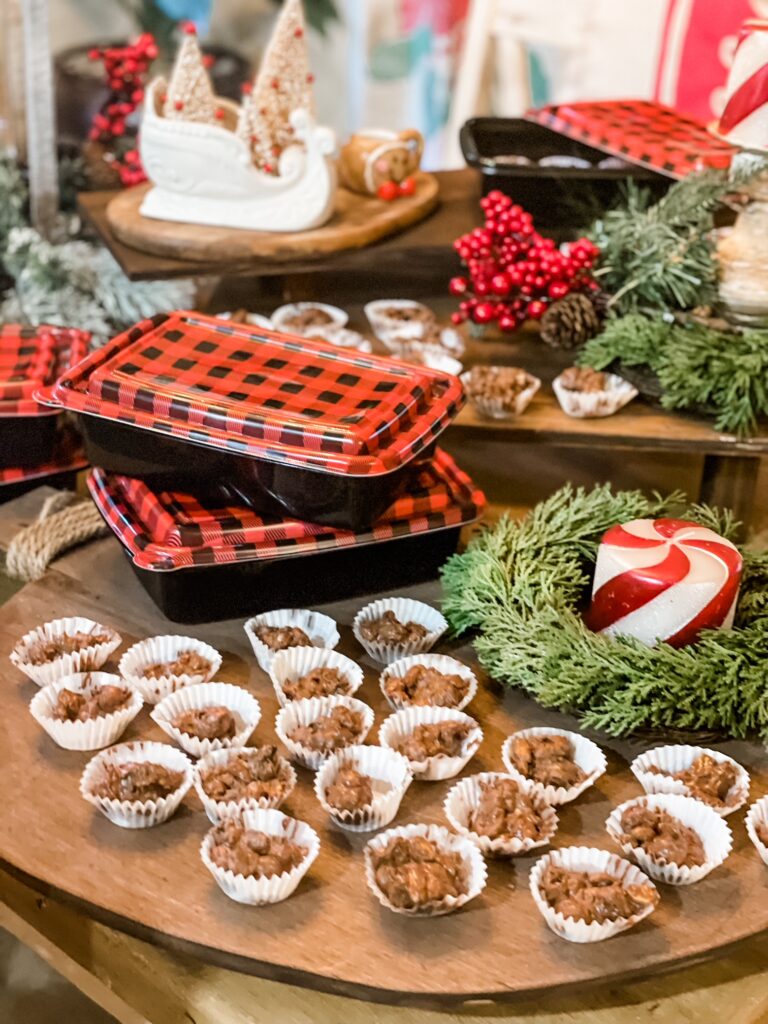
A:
(358, 220)
(332, 935)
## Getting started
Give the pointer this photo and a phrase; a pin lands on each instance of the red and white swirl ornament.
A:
(664, 579)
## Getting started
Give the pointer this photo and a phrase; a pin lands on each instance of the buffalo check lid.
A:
(262, 394)
(641, 132)
(32, 357)
(166, 530)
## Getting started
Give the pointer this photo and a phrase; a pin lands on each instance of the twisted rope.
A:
(63, 523)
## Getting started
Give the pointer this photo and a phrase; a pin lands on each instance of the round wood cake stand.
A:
(332, 935)
(358, 220)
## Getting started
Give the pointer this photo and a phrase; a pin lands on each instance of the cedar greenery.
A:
(519, 585)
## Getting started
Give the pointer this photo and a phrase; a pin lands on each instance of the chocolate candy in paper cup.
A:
(165, 650)
(476, 872)
(282, 316)
(93, 733)
(405, 317)
(498, 408)
(705, 822)
(321, 630)
(756, 821)
(255, 891)
(217, 810)
(406, 610)
(390, 777)
(304, 712)
(655, 771)
(242, 705)
(87, 659)
(593, 404)
(401, 724)
(586, 755)
(592, 861)
(343, 337)
(440, 663)
(137, 813)
(294, 663)
(464, 798)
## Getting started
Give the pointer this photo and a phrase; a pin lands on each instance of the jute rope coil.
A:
(63, 523)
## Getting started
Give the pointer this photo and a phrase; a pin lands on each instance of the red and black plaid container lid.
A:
(261, 394)
(641, 132)
(167, 530)
(31, 358)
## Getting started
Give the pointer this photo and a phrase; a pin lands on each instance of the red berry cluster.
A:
(126, 68)
(514, 273)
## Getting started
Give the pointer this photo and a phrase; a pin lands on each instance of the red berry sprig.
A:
(513, 272)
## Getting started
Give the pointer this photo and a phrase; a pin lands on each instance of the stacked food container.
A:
(36, 444)
(243, 469)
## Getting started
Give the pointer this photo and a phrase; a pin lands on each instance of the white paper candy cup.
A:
(477, 873)
(439, 662)
(295, 662)
(464, 797)
(257, 892)
(89, 659)
(592, 404)
(159, 650)
(303, 712)
(137, 813)
(283, 314)
(758, 815)
(384, 326)
(406, 610)
(585, 858)
(94, 733)
(217, 810)
(706, 823)
(432, 769)
(586, 754)
(343, 337)
(390, 777)
(496, 408)
(321, 630)
(677, 758)
(243, 705)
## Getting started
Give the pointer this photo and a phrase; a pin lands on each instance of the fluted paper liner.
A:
(321, 630)
(497, 408)
(89, 659)
(94, 733)
(586, 754)
(343, 337)
(302, 712)
(677, 758)
(137, 813)
(585, 858)
(295, 662)
(441, 663)
(477, 873)
(384, 326)
(705, 822)
(390, 777)
(432, 769)
(217, 810)
(242, 704)
(758, 815)
(406, 610)
(161, 649)
(593, 404)
(284, 313)
(464, 797)
(254, 891)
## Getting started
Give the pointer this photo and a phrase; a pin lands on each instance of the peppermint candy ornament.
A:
(664, 579)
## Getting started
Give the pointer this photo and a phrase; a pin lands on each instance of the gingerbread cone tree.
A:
(190, 96)
(283, 84)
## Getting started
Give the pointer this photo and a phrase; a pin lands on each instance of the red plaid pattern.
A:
(262, 394)
(32, 357)
(641, 132)
(170, 531)
(68, 456)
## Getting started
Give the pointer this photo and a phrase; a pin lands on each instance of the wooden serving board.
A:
(332, 935)
(357, 221)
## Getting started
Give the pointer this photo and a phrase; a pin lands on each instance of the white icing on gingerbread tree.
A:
(190, 96)
(283, 84)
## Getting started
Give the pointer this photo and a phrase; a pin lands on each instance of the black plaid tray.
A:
(30, 358)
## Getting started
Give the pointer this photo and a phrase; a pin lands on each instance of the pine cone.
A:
(570, 321)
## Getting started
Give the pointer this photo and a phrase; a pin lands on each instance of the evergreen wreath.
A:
(520, 585)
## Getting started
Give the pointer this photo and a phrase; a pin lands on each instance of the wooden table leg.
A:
(729, 481)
